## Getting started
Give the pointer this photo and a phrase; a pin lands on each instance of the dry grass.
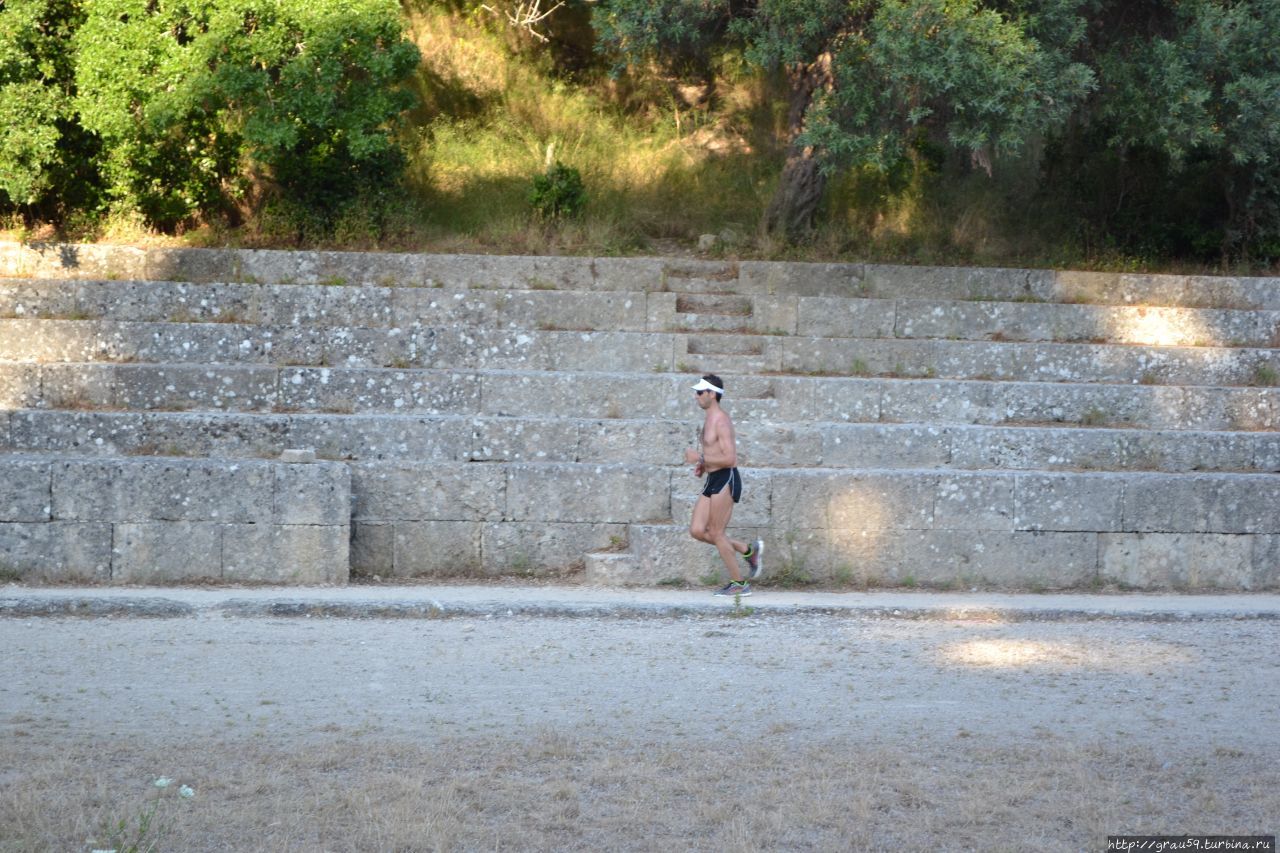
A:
(550, 791)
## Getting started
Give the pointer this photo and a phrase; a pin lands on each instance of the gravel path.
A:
(1168, 685)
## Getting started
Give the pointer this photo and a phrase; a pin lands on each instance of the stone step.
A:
(45, 341)
(69, 261)
(773, 399)
(836, 317)
(956, 559)
(463, 438)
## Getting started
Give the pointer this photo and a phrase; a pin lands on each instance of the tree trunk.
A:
(794, 205)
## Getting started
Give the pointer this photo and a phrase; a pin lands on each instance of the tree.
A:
(42, 149)
(867, 76)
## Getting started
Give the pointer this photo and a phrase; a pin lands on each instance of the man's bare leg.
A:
(710, 518)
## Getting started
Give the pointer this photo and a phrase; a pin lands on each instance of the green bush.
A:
(558, 193)
(205, 108)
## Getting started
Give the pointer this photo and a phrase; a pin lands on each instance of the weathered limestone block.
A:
(406, 491)
(652, 441)
(173, 490)
(766, 444)
(846, 318)
(197, 265)
(629, 274)
(606, 351)
(1177, 560)
(57, 551)
(1070, 502)
(370, 347)
(31, 300)
(109, 433)
(451, 348)
(187, 386)
(1209, 503)
(874, 445)
(503, 271)
(19, 386)
(286, 553)
(515, 549)
(1026, 560)
(25, 489)
(373, 549)
(589, 395)
(1266, 562)
(822, 498)
(587, 493)
(348, 390)
(667, 553)
(524, 440)
(892, 281)
(77, 386)
(974, 502)
(389, 437)
(312, 493)
(772, 277)
(167, 551)
(1259, 294)
(325, 305)
(437, 548)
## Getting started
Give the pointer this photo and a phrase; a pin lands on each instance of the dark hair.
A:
(716, 381)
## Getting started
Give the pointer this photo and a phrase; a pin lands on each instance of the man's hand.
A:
(691, 456)
(699, 470)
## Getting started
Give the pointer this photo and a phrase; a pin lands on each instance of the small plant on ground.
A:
(1265, 375)
(558, 193)
(145, 832)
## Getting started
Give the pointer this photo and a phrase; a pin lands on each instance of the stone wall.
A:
(143, 520)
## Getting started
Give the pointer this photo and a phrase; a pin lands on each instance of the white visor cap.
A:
(704, 385)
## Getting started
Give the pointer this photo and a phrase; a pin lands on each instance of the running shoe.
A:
(756, 560)
(734, 588)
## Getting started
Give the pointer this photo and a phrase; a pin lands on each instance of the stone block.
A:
(1167, 504)
(881, 446)
(19, 386)
(196, 265)
(111, 433)
(178, 387)
(587, 493)
(974, 501)
(373, 550)
(628, 274)
(1266, 563)
(1177, 561)
(59, 552)
(588, 395)
(167, 552)
(328, 305)
(852, 500)
(25, 489)
(512, 548)
(286, 553)
(77, 386)
(38, 299)
(606, 351)
(1248, 503)
(652, 441)
(846, 318)
(1070, 502)
(780, 278)
(524, 440)
(482, 348)
(155, 490)
(437, 548)
(893, 281)
(348, 390)
(1019, 560)
(383, 437)
(312, 493)
(349, 347)
(850, 399)
(508, 272)
(668, 553)
(405, 491)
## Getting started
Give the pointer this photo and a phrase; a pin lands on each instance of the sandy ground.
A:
(1197, 694)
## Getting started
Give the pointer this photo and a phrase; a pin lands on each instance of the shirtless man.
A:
(717, 458)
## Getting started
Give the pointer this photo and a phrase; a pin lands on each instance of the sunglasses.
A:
(700, 393)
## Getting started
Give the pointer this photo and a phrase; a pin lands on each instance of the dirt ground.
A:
(708, 732)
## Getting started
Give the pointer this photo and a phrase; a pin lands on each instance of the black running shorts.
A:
(717, 480)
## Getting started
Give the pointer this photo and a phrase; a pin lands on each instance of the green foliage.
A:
(199, 104)
(39, 147)
(558, 192)
(678, 31)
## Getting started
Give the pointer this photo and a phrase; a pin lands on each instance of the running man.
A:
(717, 458)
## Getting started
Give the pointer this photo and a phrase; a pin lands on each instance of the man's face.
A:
(704, 398)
